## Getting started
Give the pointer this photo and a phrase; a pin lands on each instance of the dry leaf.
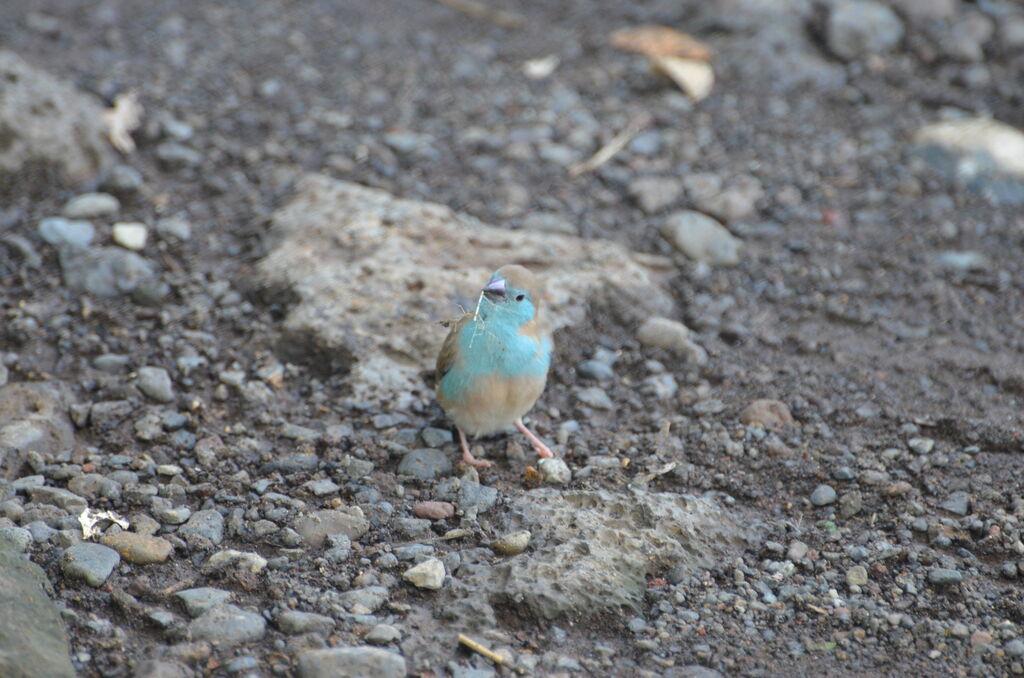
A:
(653, 40)
(695, 78)
(532, 478)
(123, 119)
(89, 520)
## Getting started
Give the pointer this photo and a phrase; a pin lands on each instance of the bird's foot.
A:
(543, 450)
(468, 457)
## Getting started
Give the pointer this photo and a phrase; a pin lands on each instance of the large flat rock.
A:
(32, 638)
(369, 276)
(46, 120)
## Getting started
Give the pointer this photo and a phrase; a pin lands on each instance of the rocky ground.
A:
(788, 379)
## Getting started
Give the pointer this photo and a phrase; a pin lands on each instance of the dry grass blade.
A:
(609, 150)
(479, 10)
(490, 654)
(653, 40)
(123, 119)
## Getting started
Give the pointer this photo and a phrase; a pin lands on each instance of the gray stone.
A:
(941, 576)
(857, 576)
(984, 155)
(382, 634)
(199, 600)
(174, 228)
(58, 496)
(104, 271)
(227, 625)
(860, 27)
(436, 437)
(671, 335)
(1014, 648)
(596, 370)
(316, 527)
(90, 562)
(968, 260)
(850, 504)
(733, 202)
(654, 194)
(15, 539)
(958, 502)
(369, 598)
(328, 224)
(122, 179)
(59, 231)
(425, 464)
(156, 668)
(294, 622)
(174, 156)
(351, 662)
(32, 639)
(47, 120)
(92, 206)
(596, 397)
(823, 495)
(155, 382)
(701, 238)
(204, 529)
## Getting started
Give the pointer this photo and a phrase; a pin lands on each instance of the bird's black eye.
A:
(520, 297)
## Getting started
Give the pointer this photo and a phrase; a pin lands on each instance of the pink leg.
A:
(542, 449)
(467, 456)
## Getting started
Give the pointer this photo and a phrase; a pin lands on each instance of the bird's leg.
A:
(542, 449)
(467, 456)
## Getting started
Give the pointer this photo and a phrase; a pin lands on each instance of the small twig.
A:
(608, 151)
(490, 654)
(479, 10)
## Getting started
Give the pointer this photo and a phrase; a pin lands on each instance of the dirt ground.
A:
(842, 307)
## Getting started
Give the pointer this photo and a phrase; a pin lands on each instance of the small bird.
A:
(494, 362)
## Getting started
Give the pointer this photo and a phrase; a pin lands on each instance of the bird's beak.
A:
(495, 289)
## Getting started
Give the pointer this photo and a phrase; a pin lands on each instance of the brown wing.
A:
(446, 358)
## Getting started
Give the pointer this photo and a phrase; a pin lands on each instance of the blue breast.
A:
(487, 348)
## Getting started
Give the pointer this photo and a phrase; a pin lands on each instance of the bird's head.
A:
(513, 294)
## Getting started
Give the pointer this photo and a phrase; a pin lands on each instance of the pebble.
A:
(382, 634)
(941, 576)
(596, 370)
(425, 464)
(701, 238)
(554, 471)
(173, 155)
(797, 551)
(130, 235)
(90, 562)
(823, 495)
(511, 544)
(227, 625)
(860, 27)
(199, 600)
(351, 662)
(767, 413)
(123, 179)
(155, 382)
(968, 260)
(204, 529)
(958, 503)
(436, 437)
(294, 622)
(92, 206)
(60, 231)
(433, 510)
(596, 397)
(921, 445)
(174, 228)
(427, 575)
(857, 576)
(850, 504)
(138, 548)
(1014, 648)
(654, 194)
(14, 539)
(316, 527)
